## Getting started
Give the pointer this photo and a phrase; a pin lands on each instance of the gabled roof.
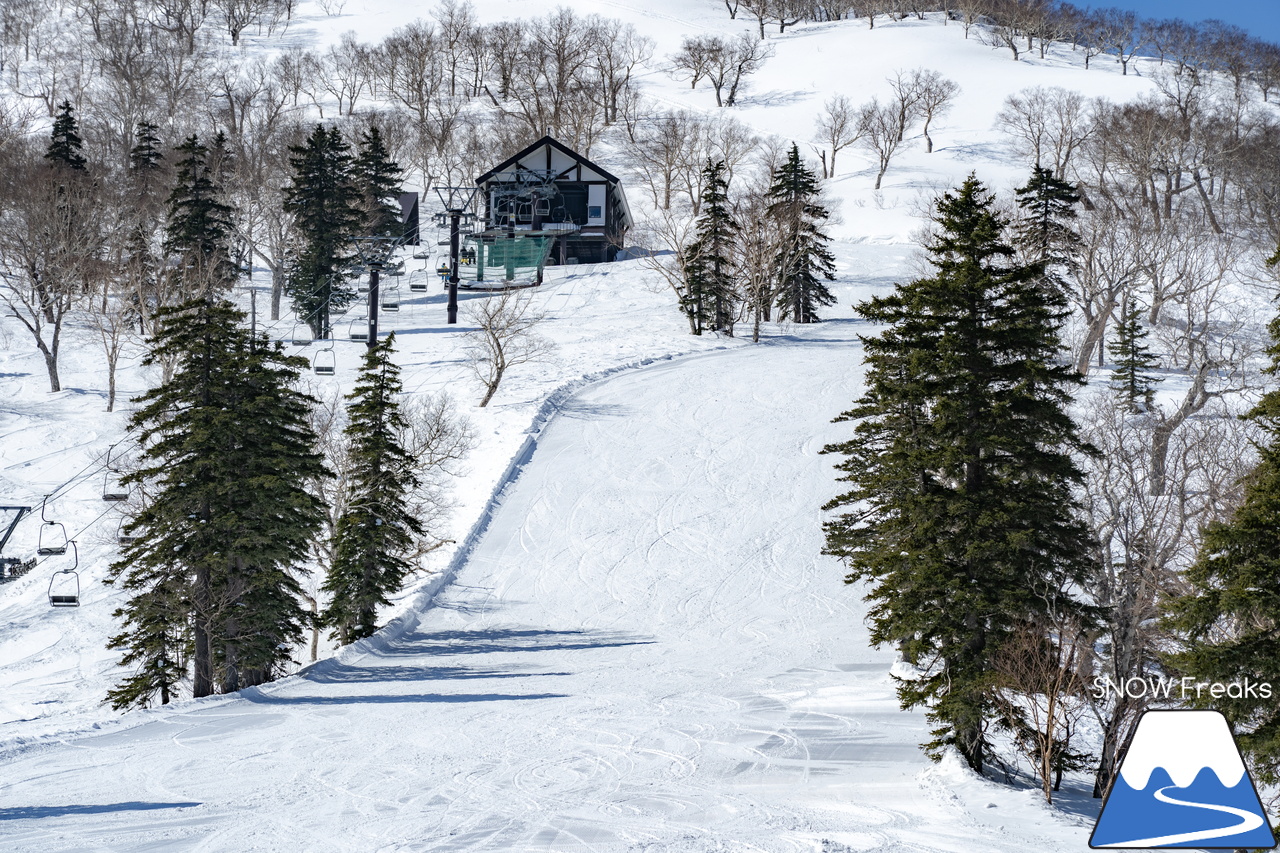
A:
(408, 206)
(558, 146)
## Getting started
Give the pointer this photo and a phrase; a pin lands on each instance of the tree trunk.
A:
(202, 681)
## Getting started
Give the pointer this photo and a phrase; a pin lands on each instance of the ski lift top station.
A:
(550, 191)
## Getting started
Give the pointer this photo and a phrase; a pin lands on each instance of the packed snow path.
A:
(644, 653)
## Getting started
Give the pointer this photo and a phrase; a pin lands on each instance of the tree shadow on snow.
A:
(436, 643)
(260, 698)
(38, 812)
(341, 674)
(592, 411)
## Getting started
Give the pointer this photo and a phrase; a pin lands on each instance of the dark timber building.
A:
(549, 190)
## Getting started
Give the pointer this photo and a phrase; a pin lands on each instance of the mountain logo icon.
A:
(1181, 784)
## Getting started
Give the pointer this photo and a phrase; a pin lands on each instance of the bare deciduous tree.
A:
(1047, 126)
(1042, 674)
(48, 250)
(838, 128)
(503, 337)
(880, 133)
(937, 95)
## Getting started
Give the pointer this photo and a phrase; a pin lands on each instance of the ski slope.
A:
(643, 652)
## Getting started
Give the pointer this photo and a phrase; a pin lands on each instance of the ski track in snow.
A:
(642, 653)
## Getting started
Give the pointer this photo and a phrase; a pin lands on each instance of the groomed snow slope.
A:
(644, 652)
(704, 692)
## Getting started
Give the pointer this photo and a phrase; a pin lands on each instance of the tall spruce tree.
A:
(65, 145)
(1043, 231)
(803, 261)
(325, 203)
(225, 450)
(378, 179)
(1132, 377)
(378, 526)
(141, 266)
(961, 512)
(710, 292)
(198, 230)
(1230, 618)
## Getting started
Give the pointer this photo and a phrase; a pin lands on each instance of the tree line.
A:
(1024, 539)
(234, 466)
(115, 246)
(757, 253)
(1026, 26)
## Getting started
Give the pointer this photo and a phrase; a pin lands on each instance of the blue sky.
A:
(1261, 18)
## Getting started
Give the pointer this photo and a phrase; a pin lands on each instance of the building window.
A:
(594, 211)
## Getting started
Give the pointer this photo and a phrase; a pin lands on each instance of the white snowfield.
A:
(644, 652)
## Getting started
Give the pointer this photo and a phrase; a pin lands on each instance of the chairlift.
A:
(112, 489)
(324, 363)
(418, 281)
(123, 537)
(542, 207)
(64, 586)
(391, 299)
(53, 534)
(301, 336)
(359, 329)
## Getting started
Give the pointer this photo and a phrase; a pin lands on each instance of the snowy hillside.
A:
(632, 643)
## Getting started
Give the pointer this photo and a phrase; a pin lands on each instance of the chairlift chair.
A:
(53, 534)
(112, 489)
(359, 329)
(64, 585)
(418, 281)
(123, 537)
(301, 336)
(542, 207)
(324, 363)
(391, 299)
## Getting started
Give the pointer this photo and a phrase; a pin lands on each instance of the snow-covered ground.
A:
(643, 650)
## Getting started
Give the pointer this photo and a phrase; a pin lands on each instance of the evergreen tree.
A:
(143, 220)
(1133, 360)
(65, 144)
(1230, 618)
(225, 449)
(377, 177)
(157, 637)
(275, 454)
(962, 513)
(198, 230)
(710, 294)
(1044, 231)
(803, 260)
(145, 156)
(325, 203)
(378, 526)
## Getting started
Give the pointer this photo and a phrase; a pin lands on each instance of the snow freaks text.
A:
(1152, 687)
